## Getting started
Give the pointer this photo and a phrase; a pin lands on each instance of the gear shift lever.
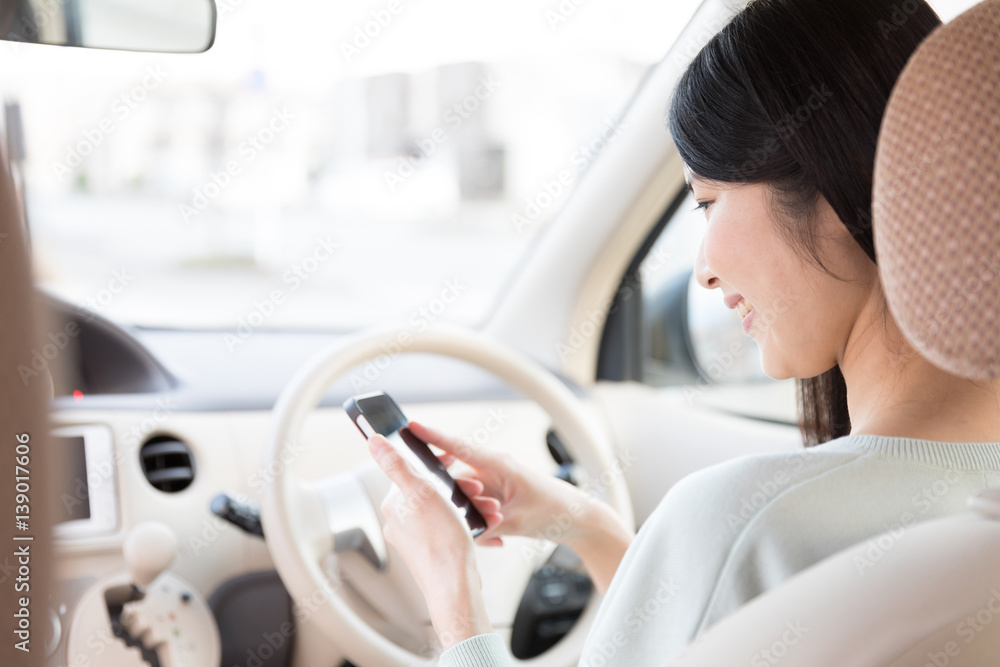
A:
(149, 549)
(142, 613)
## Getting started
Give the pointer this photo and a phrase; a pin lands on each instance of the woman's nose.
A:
(705, 277)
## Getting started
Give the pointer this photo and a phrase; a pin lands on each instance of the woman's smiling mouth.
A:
(745, 309)
(746, 312)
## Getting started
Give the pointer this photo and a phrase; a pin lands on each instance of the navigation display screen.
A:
(73, 501)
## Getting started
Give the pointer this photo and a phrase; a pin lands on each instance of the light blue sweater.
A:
(724, 535)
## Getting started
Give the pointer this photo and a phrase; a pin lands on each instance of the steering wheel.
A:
(308, 523)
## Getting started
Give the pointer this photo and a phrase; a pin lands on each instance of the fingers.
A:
(486, 538)
(470, 487)
(391, 462)
(409, 486)
(488, 507)
(473, 489)
(471, 455)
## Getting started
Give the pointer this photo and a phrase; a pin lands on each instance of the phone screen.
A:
(379, 413)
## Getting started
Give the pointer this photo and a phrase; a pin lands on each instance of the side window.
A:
(689, 338)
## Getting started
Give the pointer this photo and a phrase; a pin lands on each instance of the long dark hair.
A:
(791, 93)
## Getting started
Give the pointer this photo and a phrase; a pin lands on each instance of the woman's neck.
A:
(893, 391)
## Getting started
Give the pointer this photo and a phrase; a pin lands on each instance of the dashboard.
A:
(153, 425)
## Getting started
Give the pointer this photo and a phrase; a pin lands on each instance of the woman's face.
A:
(800, 316)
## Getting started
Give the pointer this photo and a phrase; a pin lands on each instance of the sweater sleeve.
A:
(479, 651)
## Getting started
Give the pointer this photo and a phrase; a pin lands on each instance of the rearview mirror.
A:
(166, 26)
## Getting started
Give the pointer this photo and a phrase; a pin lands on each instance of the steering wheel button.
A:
(554, 592)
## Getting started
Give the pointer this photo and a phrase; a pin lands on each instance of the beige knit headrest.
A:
(936, 207)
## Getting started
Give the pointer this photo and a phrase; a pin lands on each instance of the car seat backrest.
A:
(936, 206)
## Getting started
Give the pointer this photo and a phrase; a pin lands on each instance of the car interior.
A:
(199, 495)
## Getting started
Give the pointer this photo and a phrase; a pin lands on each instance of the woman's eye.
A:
(703, 205)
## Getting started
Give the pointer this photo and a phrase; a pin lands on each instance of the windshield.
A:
(325, 165)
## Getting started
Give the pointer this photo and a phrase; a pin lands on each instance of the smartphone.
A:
(378, 413)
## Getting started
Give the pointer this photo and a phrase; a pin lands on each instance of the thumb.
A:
(391, 462)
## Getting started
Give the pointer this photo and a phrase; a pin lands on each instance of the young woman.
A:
(776, 120)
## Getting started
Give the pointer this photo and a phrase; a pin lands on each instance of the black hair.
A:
(791, 93)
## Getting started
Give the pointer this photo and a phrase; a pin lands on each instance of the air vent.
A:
(167, 464)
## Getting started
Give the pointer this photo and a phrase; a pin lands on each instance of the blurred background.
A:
(327, 166)
(428, 146)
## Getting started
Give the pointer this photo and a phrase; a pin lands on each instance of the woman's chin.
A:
(776, 369)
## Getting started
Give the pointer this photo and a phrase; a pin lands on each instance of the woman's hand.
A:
(513, 499)
(533, 504)
(437, 548)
